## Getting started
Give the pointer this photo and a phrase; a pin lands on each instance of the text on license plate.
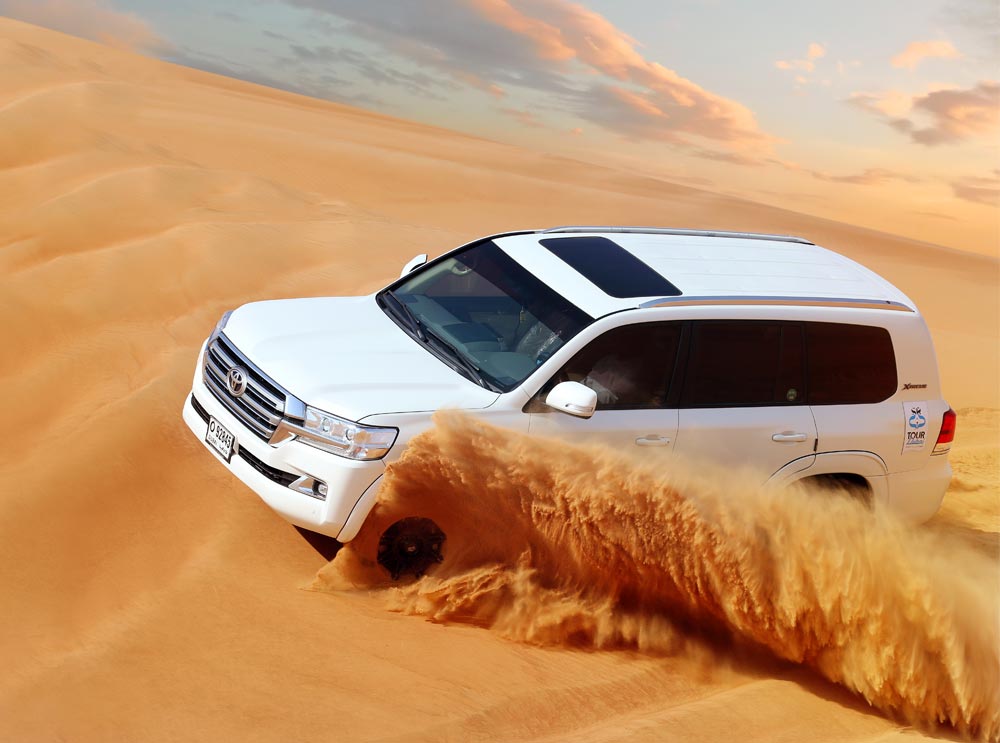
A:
(220, 438)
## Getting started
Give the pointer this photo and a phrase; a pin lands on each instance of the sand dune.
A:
(149, 597)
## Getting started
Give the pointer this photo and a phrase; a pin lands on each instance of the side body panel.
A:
(768, 438)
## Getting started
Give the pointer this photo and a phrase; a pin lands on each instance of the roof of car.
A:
(708, 266)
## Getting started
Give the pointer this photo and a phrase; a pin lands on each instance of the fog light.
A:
(310, 486)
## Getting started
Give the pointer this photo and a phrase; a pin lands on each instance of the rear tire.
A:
(853, 486)
(410, 547)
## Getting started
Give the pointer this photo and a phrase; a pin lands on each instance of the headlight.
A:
(346, 438)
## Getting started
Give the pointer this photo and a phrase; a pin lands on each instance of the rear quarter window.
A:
(849, 364)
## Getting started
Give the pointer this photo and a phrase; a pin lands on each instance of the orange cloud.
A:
(525, 118)
(476, 81)
(580, 61)
(919, 50)
(91, 19)
(653, 102)
(945, 115)
(979, 190)
(814, 52)
(868, 177)
(545, 37)
(891, 103)
(639, 103)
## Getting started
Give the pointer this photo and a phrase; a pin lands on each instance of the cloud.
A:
(469, 48)
(891, 103)
(979, 190)
(319, 85)
(314, 61)
(943, 116)
(229, 16)
(91, 19)
(844, 67)
(977, 19)
(869, 177)
(916, 51)
(581, 61)
(525, 118)
(814, 52)
(219, 65)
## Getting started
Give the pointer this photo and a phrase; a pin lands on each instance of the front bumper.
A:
(267, 469)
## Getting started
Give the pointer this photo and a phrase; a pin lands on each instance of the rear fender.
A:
(863, 463)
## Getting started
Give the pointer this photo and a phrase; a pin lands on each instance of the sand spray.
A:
(560, 544)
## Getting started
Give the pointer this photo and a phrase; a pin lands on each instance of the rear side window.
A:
(849, 364)
(744, 363)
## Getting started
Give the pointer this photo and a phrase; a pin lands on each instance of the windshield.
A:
(485, 314)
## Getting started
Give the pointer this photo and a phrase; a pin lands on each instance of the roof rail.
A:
(846, 302)
(689, 233)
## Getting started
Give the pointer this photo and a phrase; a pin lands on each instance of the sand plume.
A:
(549, 543)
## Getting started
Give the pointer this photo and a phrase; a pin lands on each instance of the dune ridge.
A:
(584, 546)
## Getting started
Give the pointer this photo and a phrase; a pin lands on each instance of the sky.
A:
(883, 113)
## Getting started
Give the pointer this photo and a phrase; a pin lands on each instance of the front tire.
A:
(410, 547)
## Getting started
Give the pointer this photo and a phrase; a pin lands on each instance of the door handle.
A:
(652, 440)
(788, 437)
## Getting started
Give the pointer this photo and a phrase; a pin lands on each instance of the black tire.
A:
(410, 547)
(853, 486)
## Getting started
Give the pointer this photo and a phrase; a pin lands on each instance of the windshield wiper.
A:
(461, 358)
(401, 310)
(427, 335)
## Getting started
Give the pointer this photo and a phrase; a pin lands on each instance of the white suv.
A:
(734, 347)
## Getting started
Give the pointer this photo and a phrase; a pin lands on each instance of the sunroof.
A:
(612, 268)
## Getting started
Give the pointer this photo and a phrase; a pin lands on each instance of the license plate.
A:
(221, 439)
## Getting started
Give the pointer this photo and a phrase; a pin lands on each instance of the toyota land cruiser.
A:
(735, 347)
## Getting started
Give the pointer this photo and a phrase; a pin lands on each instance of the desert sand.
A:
(148, 596)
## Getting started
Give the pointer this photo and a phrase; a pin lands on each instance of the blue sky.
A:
(885, 113)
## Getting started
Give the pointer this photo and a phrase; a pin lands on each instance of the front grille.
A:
(261, 405)
(271, 473)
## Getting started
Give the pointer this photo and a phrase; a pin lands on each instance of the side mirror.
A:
(573, 398)
(415, 262)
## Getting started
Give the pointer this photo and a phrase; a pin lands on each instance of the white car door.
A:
(766, 438)
(630, 368)
(743, 398)
(650, 430)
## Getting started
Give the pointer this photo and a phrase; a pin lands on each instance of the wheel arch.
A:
(850, 466)
(360, 512)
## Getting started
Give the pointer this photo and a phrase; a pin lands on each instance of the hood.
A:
(347, 357)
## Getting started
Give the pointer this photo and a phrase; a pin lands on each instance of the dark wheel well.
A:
(411, 545)
(848, 483)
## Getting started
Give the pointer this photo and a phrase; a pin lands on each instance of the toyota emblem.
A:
(236, 380)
